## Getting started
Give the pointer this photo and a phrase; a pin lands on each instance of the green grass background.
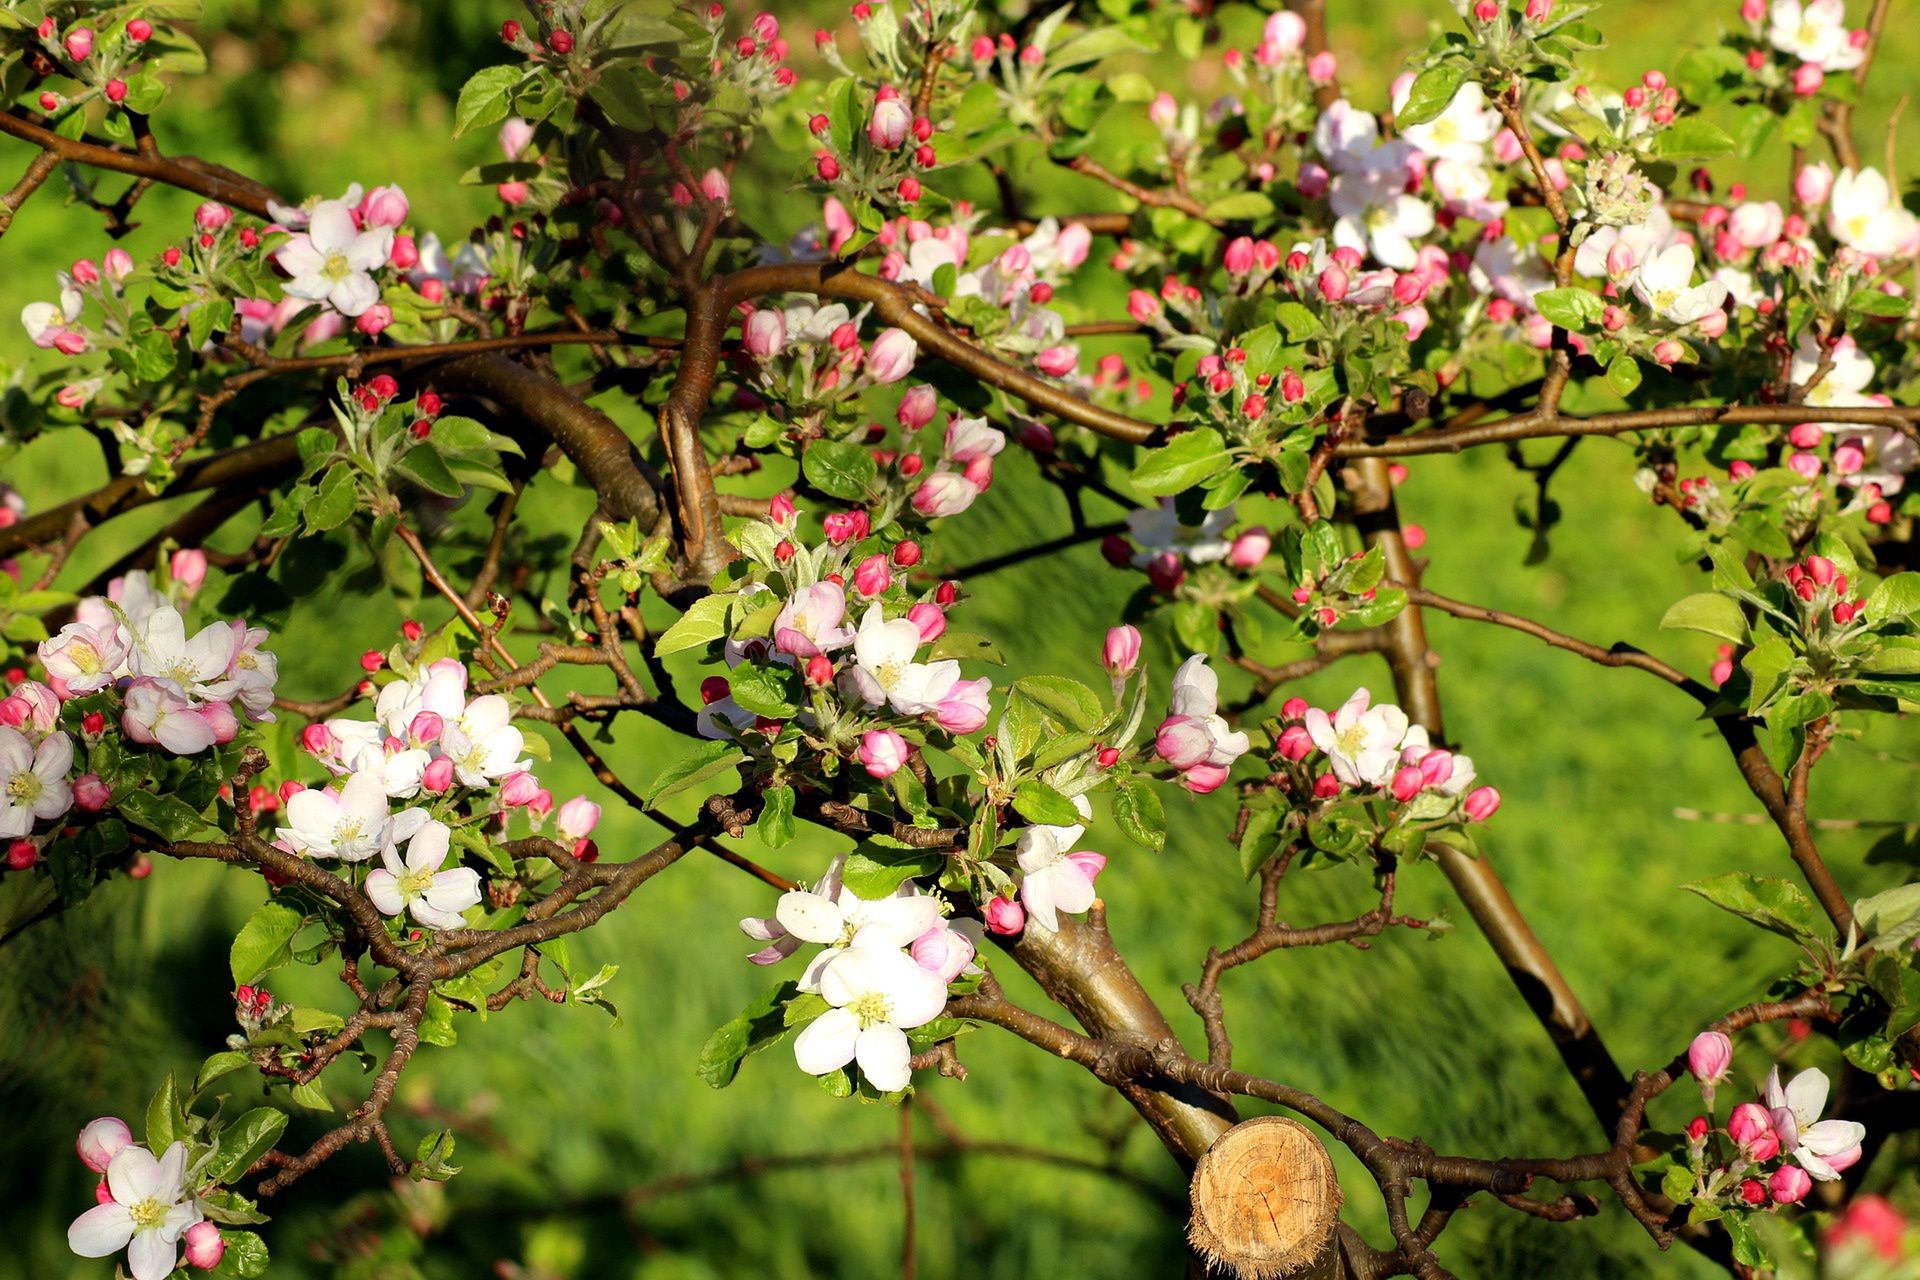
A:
(560, 1113)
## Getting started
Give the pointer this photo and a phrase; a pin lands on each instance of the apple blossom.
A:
(1814, 32)
(812, 621)
(837, 918)
(1663, 283)
(85, 659)
(947, 949)
(1361, 744)
(332, 262)
(417, 885)
(965, 707)
(1751, 1129)
(944, 493)
(1822, 1147)
(885, 672)
(147, 1212)
(1863, 213)
(1121, 652)
(350, 824)
(877, 994)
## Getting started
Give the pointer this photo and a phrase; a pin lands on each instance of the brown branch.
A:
(189, 174)
(1479, 886)
(39, 169)
(1534, 426)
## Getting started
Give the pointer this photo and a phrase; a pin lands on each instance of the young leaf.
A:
(265, 941)
(1708, 611)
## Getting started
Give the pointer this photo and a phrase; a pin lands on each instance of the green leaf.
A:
(1065, 699)
(1573, 309)
(1891, 918)
(1896, 597)
(766, 689)
(1136, 808)
(966, 644)
(1766, 666)
(758, 1026)
(1692, 138)
(1039, 803)
(694, 764)
(775, 823)
(1772, 903)
(163, 1116)
(423, 465)
(330, 507)
(1243, 206)
(170, 816)
(872, 873)
(1260, 841)
(839, 469)
(1710, 612)
(486, 98)
(1431, 93)
(1623, 375)
(245, 1141)
(1182, 463)
(265, 941)
(1300, 323)
(246, 1255)
(224, 1063)
(431, 1158)
(704, 622)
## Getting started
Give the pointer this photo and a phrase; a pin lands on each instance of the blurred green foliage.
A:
(566, 1120)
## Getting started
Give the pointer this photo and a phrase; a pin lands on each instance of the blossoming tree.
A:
(1505, 251)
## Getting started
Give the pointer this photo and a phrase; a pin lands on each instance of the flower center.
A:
(887, 674)
(871, 1009)
(413, 883)
(148, 1214)
(347, 832)
(86, 658)
(24, 787)
(1348, 742)
(1663, 299)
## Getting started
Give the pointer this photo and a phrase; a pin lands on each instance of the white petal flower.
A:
(148, 1212)
(33, 780)
(332, 261)
(877, 994)
(351, 826)
(435, 898)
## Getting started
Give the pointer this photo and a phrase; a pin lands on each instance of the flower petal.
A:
(100, 1231)
(827, 1043)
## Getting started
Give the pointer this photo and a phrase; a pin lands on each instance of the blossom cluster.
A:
(1775, 1148)
(146, 1206)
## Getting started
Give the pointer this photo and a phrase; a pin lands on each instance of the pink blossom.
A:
(205, 1246)
(917, 407)
(1250, 548)
(891, 357)
(943, 950)
(872, 577)
(1005, 916)
(384, 207)
(1709, 1057)
(888, 126)
(715, 186)
(965, 707)
(930, 619)
(79, 43)
(882, 751)
(1121, 653)
(1790, 1183)
(514, 137)
(944, 493)
(101, 1141)
(1058, 362)
(518, 788)
(577, 819)
(765, 333)
(1751, 1129)
(1481, 804)
(1813, 183)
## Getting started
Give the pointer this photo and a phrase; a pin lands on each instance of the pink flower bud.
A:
(205, 1247)
(1333, 283)
(84, 273)
(384, 207)
(1058, 362)
(1322, 67)
(1807, 79)
(882, 751)
(1804, 464)
(872, 577)
(577, 819)
(1166, 573)
(139, 31)
(405, 254)
(1142, 306)
(1250, 549)
(891, 357)
(1710, 1057)
(188, 567)
(1812, 184)
(101, 1141)
(1005, 916)
(715, 187)
(91, 793)
(1121, 653)
(1204, 779)
(842, 527)
(1751, 1129)
(1848, 457)
(1295, 743)
(374, 320)
(930, 619)
(1407, 782)
(319, 740)
(1790, 1183)
(765, 333)
(1538, 10)
(888, 127)
(1669, 351)
(1486, 10)
(511, 193)
(943, 951)
(79, 43)
(1820, 569)
(518, 788)
(1239, 256)
(1481, 803)
(917, 407)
